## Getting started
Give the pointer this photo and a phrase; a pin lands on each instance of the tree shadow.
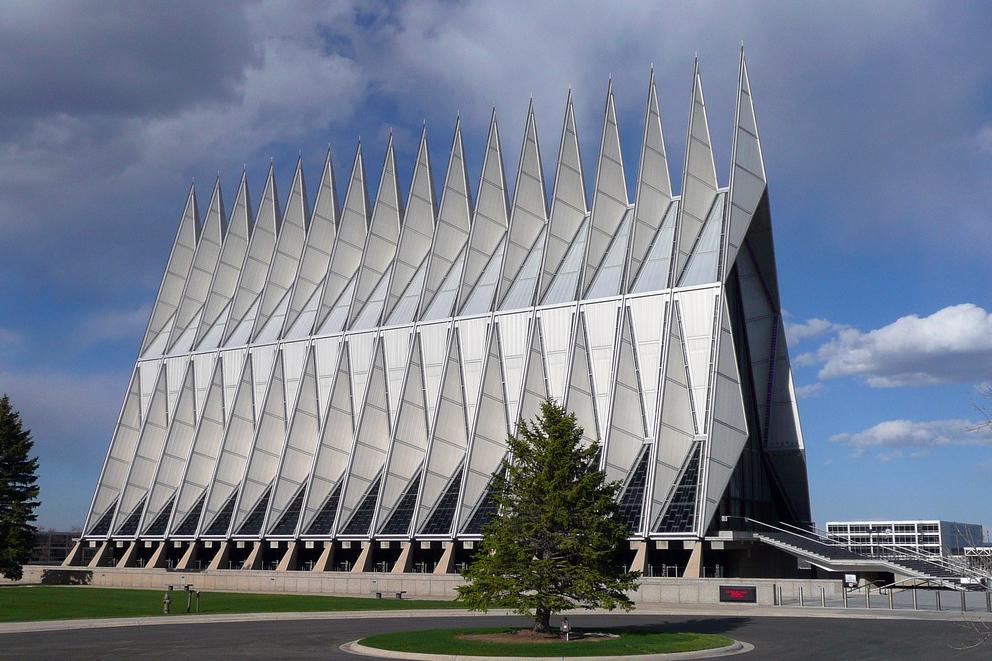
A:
(66, 577)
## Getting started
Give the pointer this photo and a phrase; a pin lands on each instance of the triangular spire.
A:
(530, 209)
(256, 265)
(416, 236)
(301, 442)
(348, 244)
(535, 379)
(654, 187)
(568, 206)
(747, 176)
(699, 185)
(176, 272)
(453, 226)
(409, 444)
(609, 202)
(201, 273)
(224, 283)
(380, 246)
(302, 310)
(285, 262)
(580, 397)
(490, 221)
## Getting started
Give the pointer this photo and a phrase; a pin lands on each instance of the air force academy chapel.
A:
(339, 379)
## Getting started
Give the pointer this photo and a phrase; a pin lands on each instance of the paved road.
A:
(773, 637)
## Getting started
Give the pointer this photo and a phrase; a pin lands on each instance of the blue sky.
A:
(876, 125)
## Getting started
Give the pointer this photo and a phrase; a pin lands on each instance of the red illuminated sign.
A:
(746, 594)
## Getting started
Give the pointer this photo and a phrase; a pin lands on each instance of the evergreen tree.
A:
(18, 492)
(553, 545)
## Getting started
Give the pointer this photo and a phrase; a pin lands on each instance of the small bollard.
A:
(867, 595)
(189, 597)
(197, 601)
(890, 599)
(781, 596)
(988, 601)
(938, 599)
(802, 601)
(964, 602)
(823, 597)
(916, 601)
(775, 595)
(166, 603)
(566, 628)
(844, 592)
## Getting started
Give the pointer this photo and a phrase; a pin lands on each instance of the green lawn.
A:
(47, 602)
(445, 641)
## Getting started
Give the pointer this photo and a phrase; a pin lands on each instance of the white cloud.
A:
(10, 341)
(897, 438)
(952, 345)
(809, 390)
(114, 325)
(797, 332)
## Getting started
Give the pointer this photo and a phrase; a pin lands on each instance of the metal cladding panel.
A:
(396, 342)
(699, 310)
(699, 187)
(627, 430)
(360, 348)
(450, 235)
(563, 288)
(285, 264)
(728, 433)
(146, 453)
(294, 357)
(336, 440)
(327, 350)
(170, 464)
(224, 284)
(524, 285)
(647, 315)
(528, 218)
(654, 191)
(602, 320)
(371, 441)
(175, 368)
(415, 240)
(245, 305)
(747, 179)
(513, 337)
(434, 342)
(405, 310)
(448, 438)
(207, 440)
(203, 369)
(580, 398)
(676, 430)
(535, 378)
(148, 372)
(784, 431)
(200, 275)
(237, 441)
(608, 280)
(568, 206)
(409, 443)
(261, 365)
(761, 324)
(488, 226)
(655, 271)
(444, 300)
(346, 255)
(556, 338)
(380, 248)
(472, 336)
(176, 272)
(316, 257)
(234, 361)
(121, 450)
(488, 439)
(301, 442)
(482, 298)
(609, 201)
(704, 263)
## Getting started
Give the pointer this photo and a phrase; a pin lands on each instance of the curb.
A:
(737, 647)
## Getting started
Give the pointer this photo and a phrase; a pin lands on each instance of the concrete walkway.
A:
(660, 610)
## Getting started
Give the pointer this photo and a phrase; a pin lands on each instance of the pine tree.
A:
(553, 544)
(18, 492)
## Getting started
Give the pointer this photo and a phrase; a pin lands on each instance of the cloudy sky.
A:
(875, 118)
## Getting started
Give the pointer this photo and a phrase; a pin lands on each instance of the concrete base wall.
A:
(421, 586)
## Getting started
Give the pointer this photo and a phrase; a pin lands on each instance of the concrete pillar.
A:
(101, 555)
(254, 559)
(364, 562)
(405, 561)
(75, 556)
(694, 568)
(326, 560)
(640, 556)
(157, 561)
(186, 562)
(130, 557)
(288, 560)
(446, 565)
(219, 561)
